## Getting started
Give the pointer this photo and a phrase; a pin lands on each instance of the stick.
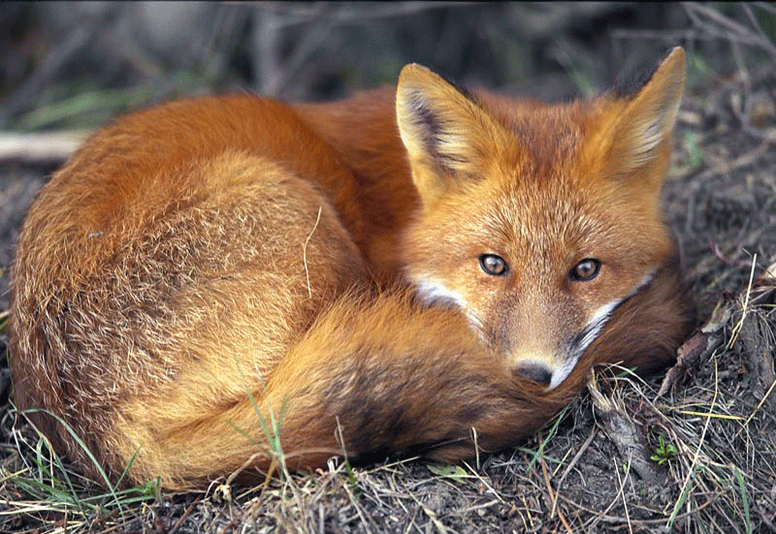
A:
(43, 147)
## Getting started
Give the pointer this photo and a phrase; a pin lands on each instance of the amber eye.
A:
(585, 270)
(493, 265)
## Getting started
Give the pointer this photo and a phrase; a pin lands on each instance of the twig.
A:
(570, 466)
(485, 483)
(621, 480)
(274, 79)
(757, 408)
(717, 253)
(430, 513)
(183, 517)
(753, 20)
(552, 496)
(728, 28)
(765, 6)
(745, 307)
(44, 147)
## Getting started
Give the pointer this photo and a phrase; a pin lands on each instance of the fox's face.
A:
(537, 221)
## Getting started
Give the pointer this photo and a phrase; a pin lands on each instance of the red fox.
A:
(216, 285)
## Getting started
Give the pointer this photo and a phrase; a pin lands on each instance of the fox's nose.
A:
(535, 372)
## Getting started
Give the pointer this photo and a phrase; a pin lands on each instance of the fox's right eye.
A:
(585, 270)
(493, 265)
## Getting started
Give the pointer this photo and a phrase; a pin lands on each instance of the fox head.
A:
(537, 220)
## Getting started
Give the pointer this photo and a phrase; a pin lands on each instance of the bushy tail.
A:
(373, 376)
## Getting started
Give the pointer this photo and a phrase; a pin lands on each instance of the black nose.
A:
(535, 372)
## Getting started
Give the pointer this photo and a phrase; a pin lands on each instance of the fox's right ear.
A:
(442, 128)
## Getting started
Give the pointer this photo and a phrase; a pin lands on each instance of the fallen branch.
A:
(623, 432)
(710, 335)
(44, 147)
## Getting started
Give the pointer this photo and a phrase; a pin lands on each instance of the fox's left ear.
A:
(648, 118)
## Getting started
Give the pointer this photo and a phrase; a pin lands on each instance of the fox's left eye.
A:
(493, 265)
(585, 270)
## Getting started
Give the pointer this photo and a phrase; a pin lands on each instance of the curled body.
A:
(209, 282)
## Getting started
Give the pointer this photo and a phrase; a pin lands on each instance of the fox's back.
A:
(164, 244)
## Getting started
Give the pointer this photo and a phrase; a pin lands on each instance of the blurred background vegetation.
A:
(67, 65)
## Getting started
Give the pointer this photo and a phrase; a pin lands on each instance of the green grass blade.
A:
(744, 498)
(86, 450)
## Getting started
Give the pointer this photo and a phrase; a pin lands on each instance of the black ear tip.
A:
(631, 82)
(678, 50)
(675, 55)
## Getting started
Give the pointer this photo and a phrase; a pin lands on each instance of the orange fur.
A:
(209, 276)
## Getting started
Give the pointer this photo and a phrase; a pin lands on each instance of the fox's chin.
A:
(562, 373)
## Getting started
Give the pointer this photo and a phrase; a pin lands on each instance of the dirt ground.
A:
(700, 457)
